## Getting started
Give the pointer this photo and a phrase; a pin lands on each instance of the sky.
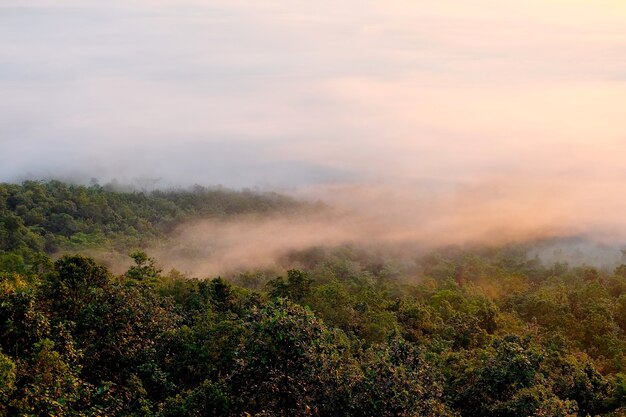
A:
(523, 101)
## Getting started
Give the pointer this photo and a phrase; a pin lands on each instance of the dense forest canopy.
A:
(475, 332)
(55, 216)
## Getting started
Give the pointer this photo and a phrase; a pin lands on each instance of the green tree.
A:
(398, 381)
(505, 380)
(296, 287)
(291, 365)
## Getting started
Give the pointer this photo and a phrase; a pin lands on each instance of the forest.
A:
(342, 331)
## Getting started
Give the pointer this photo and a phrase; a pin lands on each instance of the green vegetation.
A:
(456, 333)
(52, 216)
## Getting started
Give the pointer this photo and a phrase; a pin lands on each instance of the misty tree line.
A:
(52, 216)
(487, 332)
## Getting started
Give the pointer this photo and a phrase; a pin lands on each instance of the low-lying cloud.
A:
(406, 223)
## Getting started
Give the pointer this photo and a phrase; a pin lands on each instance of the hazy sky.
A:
(297, 93)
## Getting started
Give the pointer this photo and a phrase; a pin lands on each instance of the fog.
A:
(402, 227)
(430, 122)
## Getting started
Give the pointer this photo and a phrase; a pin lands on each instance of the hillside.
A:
(482, 332)
(48, 217)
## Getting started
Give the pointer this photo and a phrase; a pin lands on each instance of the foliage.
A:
(351, 333)
(51, 216)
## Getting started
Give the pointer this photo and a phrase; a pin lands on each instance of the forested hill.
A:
(50, 216)
(469, 333)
